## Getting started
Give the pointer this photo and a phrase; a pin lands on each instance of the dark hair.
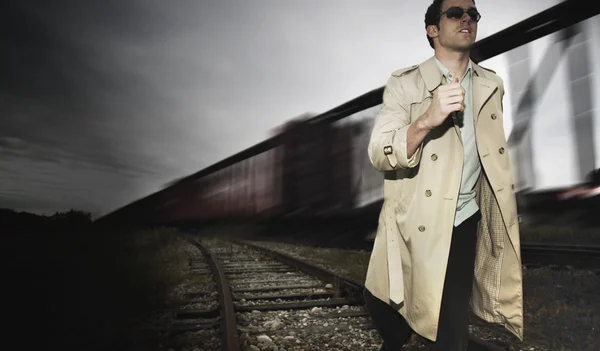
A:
(432, 17)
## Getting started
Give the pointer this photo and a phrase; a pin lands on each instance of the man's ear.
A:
(432, 31)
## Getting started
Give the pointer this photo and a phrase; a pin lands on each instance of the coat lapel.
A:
(482, 89)
(432, 76)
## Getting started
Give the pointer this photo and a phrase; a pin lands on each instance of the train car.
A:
(317, 170)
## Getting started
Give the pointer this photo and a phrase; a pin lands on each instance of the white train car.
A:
(551, 112)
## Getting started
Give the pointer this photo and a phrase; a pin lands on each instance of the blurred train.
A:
(316, 167)
(318, 171)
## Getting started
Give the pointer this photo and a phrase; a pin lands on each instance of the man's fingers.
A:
(455, 92)
(455, 99)
(458, 106)
(452, 99)
(451, 90)
(450, 86)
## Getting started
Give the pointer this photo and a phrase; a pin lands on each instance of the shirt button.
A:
(501, 150)
(428, 193)
(433, 157)
(494, 116)
(421, 228)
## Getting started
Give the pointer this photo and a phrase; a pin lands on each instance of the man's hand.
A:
(446, 99)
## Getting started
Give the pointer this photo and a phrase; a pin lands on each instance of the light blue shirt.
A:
(466, 204)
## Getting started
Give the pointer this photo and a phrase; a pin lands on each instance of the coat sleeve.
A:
(387, 145)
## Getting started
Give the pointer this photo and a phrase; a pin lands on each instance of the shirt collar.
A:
(446, 72)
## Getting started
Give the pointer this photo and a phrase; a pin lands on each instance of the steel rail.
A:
(561, 248)
(228, 324)
(561, 255)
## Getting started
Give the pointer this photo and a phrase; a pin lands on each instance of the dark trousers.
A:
(453, 328)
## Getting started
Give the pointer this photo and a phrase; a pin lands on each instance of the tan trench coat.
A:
(408, 263)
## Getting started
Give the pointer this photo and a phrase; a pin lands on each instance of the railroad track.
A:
(268, 300)
(561, 255)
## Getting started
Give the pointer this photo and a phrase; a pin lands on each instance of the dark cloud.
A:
(15, 149)
(70, 97)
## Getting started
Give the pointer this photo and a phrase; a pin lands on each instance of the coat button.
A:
(421, 228)
(512, 186)
(428, 193)
(501, 150)
(494, 116)
(433, 157)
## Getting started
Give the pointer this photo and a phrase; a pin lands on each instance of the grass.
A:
(561, 308)
(87, 289)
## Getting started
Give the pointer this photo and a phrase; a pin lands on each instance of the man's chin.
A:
(463, 48)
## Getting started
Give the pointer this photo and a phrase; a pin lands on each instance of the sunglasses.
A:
(458, 12)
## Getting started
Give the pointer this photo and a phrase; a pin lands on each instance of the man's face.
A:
(457, 33)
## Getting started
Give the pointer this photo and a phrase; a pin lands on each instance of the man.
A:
(448, 235)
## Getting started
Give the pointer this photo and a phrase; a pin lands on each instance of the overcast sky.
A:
(103, 102)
